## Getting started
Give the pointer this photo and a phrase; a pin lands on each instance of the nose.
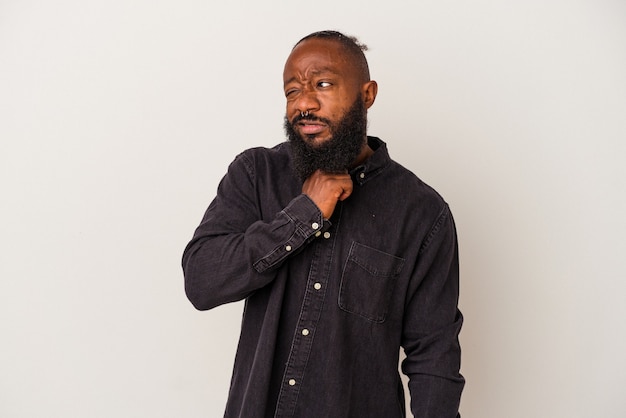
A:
(306, 102)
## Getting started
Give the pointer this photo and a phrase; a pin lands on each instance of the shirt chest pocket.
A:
(367, 282)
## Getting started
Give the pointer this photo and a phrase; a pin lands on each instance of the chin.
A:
(314, 140)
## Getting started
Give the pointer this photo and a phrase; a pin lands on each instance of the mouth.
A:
(310, 127)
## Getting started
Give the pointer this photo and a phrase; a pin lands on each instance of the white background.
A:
(118, 118)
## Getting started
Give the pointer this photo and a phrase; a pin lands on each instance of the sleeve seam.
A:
(443, 216)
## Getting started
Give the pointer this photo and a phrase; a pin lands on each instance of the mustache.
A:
(310, 117)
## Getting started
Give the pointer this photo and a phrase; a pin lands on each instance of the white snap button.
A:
(305, 332)
(292, 382)
(288, 248)
(315, 225)
(326, 235)
(317, 286)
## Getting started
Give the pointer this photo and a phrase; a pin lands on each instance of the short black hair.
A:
(351, 44)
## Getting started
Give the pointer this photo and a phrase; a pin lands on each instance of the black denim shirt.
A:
(329, 303)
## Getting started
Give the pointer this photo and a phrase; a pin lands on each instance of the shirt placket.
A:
(308, 320)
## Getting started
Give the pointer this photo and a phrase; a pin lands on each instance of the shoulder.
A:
(414, 184)
(402, 181)
(261, 158)
(413, 200)
(420, 196)
(278, 153)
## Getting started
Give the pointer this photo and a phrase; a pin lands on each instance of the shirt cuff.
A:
(308, 223)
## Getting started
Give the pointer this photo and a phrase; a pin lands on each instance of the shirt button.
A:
(292, 382)
(318, 233)
(362, 175)
(317, 286)
(315, 225)
(288, 248)
(326, 235)
(305, 332)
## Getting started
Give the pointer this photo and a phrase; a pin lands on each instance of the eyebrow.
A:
(322, 70)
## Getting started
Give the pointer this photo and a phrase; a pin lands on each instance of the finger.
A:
(345, 193)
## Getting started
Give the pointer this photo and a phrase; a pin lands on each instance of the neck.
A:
(366, 152)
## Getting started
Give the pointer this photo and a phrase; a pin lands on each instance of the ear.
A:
(369, 91)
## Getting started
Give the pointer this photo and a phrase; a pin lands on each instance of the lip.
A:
(311, 128)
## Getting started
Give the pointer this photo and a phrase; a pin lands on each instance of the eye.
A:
(290, 92)
(324, 84)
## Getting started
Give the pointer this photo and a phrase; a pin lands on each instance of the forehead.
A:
(314, 56)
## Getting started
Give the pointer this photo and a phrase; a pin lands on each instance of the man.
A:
(342, 257)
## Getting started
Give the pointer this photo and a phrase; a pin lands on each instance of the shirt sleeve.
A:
(432, 325)
(234, 251)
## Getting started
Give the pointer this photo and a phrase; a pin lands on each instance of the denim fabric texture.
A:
(330, 302)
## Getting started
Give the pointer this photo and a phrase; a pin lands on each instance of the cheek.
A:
(290, 110)
(338, 108)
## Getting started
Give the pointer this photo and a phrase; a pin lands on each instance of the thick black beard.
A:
(337, 154)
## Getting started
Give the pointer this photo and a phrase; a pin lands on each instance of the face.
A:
(319, 78)
(335, 155)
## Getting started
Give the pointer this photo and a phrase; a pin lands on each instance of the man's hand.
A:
(326, 189)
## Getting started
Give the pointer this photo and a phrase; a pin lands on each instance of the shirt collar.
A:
(374, 165)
